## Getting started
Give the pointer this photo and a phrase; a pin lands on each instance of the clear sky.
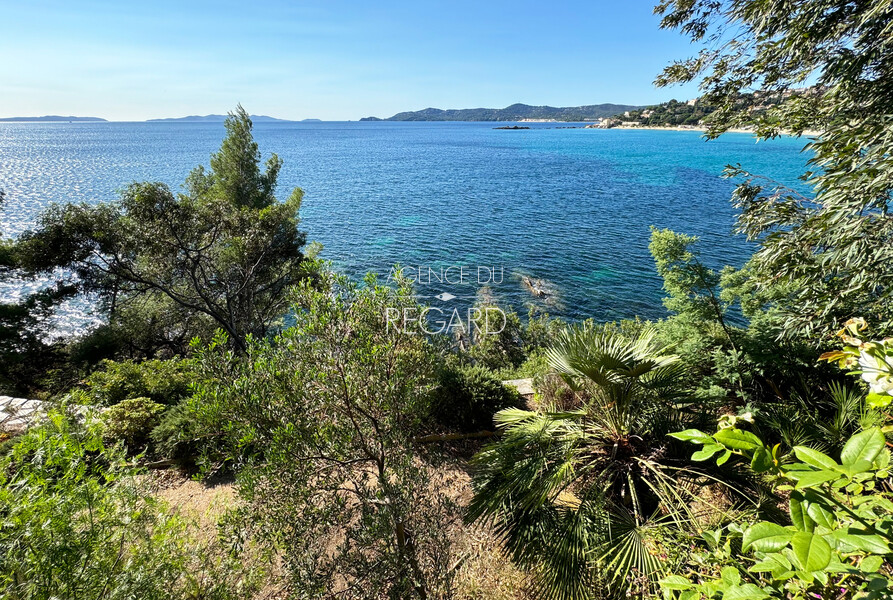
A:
(326, 59)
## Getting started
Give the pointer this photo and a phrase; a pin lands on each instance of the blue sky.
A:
(333, 60)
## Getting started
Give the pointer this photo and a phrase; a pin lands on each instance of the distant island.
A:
(515, 112)
(52, 119)
(214, 119)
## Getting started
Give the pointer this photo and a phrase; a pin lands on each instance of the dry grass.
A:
(203, 504)
(482, 571)
(485, 572)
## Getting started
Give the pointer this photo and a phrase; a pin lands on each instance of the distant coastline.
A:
(215, 119)
(52, 119)
(702, 129)
(513, 114)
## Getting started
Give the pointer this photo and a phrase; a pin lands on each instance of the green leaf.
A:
(761, 461)
(738, 439)
(835, 566)
(712, 537)
(797, 508)
(692, 435)
(706, 452)
(873, 544)
(815, 458)
(871, 564)
(774, 563)
(876, 584)
(863, 446)
(882, 461)
(766, 537)
(807, 479)
(747, 591)
(874, 400)
(821, 515)
(854, 468)
(812, 552)
(675, 582)
(730, 575)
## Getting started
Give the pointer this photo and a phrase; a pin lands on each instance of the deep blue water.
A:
(570, 206)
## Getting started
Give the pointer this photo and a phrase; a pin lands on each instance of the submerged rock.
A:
(537, 287)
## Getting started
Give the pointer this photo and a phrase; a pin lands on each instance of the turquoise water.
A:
(572, 207)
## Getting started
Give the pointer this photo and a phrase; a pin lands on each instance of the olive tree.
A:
(320, 420)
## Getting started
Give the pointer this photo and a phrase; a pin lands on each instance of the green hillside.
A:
(515, 112)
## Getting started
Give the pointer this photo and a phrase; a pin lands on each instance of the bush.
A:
(554, 393)
(333, 403)
(162, 381)
(466, 398)
(79, 523)
(131, 421)
(839, 538)
(177, 435)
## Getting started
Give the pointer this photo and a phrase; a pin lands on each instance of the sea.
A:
(553, 218)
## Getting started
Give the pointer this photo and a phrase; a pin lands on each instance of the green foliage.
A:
(816, 420)
(467, 397)
(222, 254)
(841, 529)
(583, 495)
(78, 524)
(831, 249)
(504, 342)
(502, 345)
(25, 355)
(131, 421)
(323, 417)
(697, 328)
(535, 366)
(692, 288)
(750, 364)
(163, 381)
(539, 331)
(674, 112)
(178, 436)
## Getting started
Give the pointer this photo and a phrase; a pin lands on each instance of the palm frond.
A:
(628, 550)
(576, 495)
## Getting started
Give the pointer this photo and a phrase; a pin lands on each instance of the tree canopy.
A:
(831, 62)
(220, 254)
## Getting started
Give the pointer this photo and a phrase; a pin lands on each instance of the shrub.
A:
(131, 421)
(553, 391)
(77, 523)
(179, 436)
(535, 366)
(332, 405)
(839, 538)
(468, 397)
(163, 381)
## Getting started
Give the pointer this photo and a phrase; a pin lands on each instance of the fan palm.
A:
(577, 494)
